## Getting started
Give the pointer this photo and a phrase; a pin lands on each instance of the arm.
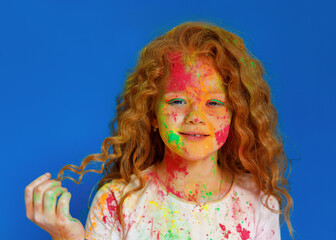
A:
(267, 222)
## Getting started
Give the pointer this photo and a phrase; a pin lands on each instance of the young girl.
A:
(196, 154)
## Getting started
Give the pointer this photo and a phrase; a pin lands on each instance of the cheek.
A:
(171, 116)
(222, 134)
(166, 116)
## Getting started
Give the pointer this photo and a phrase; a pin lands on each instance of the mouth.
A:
(194, 135)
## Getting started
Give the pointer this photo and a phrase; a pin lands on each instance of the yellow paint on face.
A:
(193, 99)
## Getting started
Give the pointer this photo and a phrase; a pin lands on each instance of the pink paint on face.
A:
(193, 99)
(243, 233)
(222, 135)
(196, 86)
(174, 115)
(173, 165)
(193, 82)
(179, 74)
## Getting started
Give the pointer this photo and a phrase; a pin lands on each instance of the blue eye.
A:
(178, 100)
(217, 103)
(175, 100)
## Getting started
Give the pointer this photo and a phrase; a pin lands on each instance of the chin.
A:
(194, 157)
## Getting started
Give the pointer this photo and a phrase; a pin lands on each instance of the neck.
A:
(192, 180)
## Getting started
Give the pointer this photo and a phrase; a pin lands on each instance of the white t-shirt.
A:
(152, 213)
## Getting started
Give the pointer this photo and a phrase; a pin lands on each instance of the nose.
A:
(195, 116)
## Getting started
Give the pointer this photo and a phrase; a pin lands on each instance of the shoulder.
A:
(246, 184)
(266, 221)
(113, 187)
(118, 187)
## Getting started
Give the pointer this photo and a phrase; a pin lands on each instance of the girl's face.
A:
(193, 102)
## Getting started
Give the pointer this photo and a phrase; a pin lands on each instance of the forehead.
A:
(193, 75)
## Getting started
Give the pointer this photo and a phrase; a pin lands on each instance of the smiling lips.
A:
(194, 137)
(194, 134)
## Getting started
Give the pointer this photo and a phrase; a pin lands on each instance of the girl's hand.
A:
(41, 208)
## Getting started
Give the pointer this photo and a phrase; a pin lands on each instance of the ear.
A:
(155, 122)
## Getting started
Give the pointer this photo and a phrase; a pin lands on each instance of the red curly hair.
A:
(254, 144)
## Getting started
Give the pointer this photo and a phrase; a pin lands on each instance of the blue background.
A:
(62, 64)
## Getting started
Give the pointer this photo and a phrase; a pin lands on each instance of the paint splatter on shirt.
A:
(152, 213)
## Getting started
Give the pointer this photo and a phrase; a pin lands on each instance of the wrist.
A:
(78, 238)
(72, 238)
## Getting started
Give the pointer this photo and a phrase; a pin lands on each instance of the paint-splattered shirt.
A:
(152, 213)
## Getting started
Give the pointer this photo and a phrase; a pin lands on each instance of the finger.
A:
(39, 192)
(62, 207)
(29, 194)
(49, 201)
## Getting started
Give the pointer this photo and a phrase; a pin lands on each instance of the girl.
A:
(196, 154)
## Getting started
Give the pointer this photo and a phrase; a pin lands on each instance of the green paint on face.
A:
(173, 137)
(253, 65)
